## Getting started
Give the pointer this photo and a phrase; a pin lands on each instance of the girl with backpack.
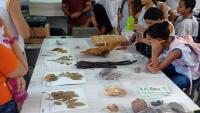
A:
(171, 55)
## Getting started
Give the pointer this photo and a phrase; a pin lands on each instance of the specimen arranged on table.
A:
(106, 64)
(103, 40)
(64, 78)
(101, 51)
(112, 108)
(50, 77)
(62, 100)
(138, 105)
(68, 98)
(63, 60)
(109, 74)
(115, 91)
(73, 76)
(59, 50)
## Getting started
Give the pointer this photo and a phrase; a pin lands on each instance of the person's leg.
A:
(9, 107)
(182, 81)
(169, 70)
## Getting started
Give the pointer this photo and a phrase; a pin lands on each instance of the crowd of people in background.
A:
(161, 22)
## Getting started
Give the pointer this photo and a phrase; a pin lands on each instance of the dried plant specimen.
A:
(111, 76)
(115, 91)
(75, 104)
(57, 103)
(73, 76)
(71, 101)
(68, 97)
(50, 78)
(113, 108)
(59, 50)
(53, 77)
(63, 60)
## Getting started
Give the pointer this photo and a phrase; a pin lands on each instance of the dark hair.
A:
(159, 30)
(155, 2)
(137, 6)
(102, 18)
(153, 13)
(162, 0)
(189, 4)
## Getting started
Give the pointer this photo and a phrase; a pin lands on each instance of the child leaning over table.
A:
(17, 85)
(168, 54)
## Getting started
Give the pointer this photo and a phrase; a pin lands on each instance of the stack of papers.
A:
(45, 8)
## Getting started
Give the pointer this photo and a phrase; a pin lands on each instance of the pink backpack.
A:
(187, 39)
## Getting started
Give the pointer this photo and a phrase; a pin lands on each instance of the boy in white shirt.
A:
(186, 23)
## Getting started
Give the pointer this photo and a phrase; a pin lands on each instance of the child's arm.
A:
(175, 54)
(88, 6)
(173, 15)
(21, 57)
(18, 19)
(164, 9)
(130, 7)
(16, 49)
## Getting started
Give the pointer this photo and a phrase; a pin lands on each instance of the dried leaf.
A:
(73, 76)
(63, 60)
(79, 104)
(57, 103)
(71, 101)
(68, 97)
(59, 50)
(71, 106)
(50, 77)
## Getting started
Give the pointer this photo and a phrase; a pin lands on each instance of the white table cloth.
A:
(94, 87)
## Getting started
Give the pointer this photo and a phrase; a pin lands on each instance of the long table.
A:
(93, 89)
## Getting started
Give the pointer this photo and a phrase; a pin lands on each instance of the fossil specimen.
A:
(68, 97)
(53, 77)
(50, 78)
(73, 76)
(59, 50)
(113, 108)
(115, 91)
(63, 60)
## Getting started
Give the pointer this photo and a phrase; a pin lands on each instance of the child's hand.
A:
(21, 84)
(138, 27)
(151, 68)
